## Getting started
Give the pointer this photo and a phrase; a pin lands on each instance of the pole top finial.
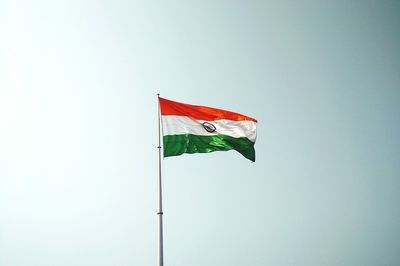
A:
(158, 95)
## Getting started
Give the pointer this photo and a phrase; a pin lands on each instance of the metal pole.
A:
(160, 212)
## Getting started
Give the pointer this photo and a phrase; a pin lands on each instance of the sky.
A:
(78, 132)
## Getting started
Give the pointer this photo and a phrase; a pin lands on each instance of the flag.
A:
(199, 129)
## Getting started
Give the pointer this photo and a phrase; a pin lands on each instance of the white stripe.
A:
(177, 125)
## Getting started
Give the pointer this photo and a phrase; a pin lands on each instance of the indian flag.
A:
(199, 129)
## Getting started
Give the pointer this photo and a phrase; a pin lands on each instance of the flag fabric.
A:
(199, 129)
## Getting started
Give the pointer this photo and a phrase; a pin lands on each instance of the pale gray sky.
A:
(78, 132)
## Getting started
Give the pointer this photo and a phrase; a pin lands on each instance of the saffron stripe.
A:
(187, 143)
(198, 112)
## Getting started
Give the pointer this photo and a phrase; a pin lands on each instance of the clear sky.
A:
(78, 132)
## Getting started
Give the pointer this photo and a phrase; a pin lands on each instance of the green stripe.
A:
(178, 144)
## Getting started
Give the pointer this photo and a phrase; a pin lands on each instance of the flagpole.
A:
(160, 212)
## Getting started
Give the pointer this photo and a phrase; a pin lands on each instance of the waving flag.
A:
(199, 129)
